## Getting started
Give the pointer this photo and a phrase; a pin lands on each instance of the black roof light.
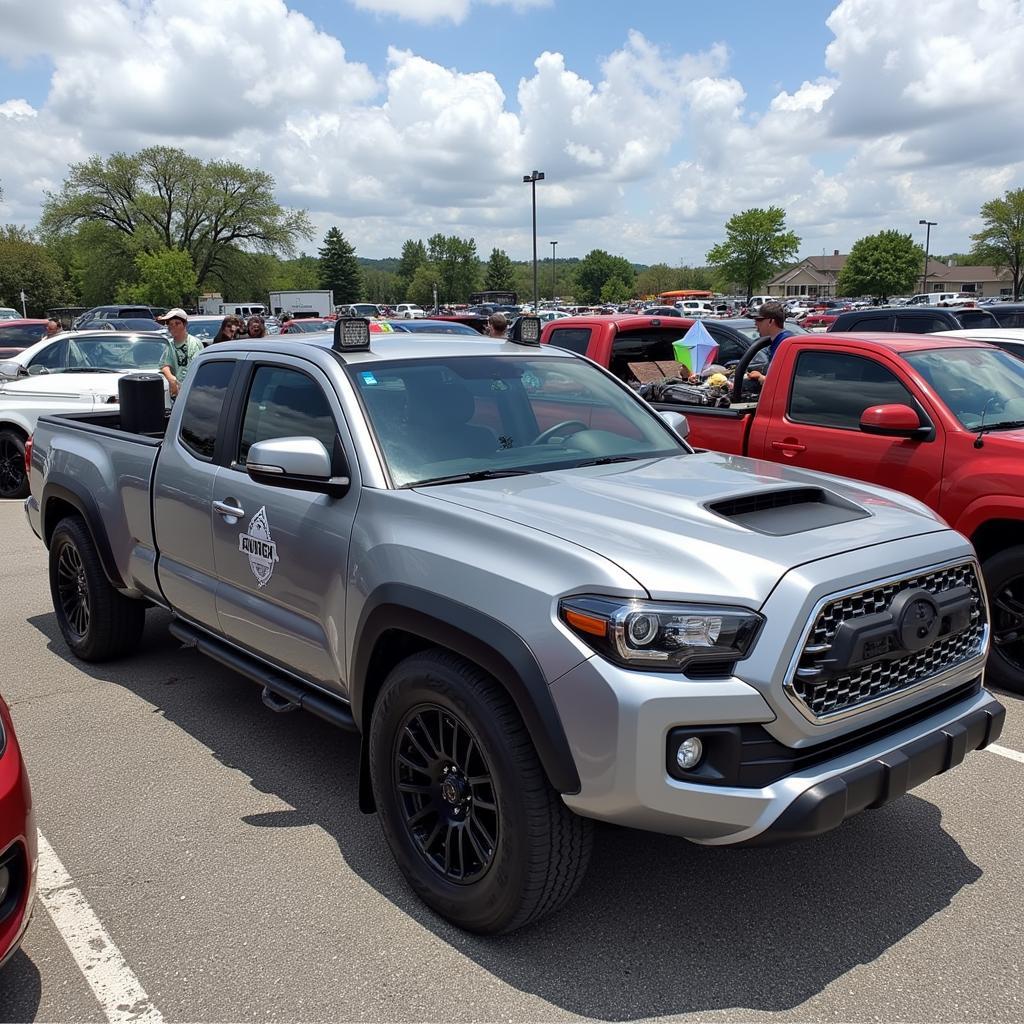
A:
(526, 331)
(351, 334)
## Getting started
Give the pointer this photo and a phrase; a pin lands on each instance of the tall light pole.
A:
(533, 179)
(553, 244)
(929, 224)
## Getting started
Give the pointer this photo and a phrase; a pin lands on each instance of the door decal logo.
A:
(259, 546)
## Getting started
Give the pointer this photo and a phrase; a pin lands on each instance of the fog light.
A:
(690, 751)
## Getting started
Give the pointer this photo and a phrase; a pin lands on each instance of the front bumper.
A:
(618, 725)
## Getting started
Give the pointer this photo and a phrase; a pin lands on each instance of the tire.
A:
(487, 804)
(96, 621)
(1004, 579)
(13, 478)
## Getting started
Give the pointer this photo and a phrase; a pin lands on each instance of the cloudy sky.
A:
(653, 121)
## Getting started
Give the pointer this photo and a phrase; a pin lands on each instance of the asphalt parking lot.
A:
(221, 848)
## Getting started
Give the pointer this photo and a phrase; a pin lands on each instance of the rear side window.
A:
(923, 323)
(207, 396)
(575, 339)
(1009, 317)
(977, 318)
(832, 389)
(285, 403)
(868, 323)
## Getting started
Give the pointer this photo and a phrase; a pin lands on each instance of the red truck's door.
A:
(812, 420)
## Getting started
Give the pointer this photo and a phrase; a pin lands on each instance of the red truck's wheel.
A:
(465, 805)
(96, 621)
(1004, 578)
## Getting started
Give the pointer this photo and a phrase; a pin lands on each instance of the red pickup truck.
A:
(940, 419)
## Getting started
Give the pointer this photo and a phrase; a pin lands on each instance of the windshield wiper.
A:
(607, 460)
(466, 478)
(1001, 425)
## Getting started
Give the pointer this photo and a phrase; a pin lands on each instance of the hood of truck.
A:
(655, 520)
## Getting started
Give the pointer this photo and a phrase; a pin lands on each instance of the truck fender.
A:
(60, 491)
(485, 641)
(990, 507)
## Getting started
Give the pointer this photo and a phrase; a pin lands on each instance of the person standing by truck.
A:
(184, 348)
(770, 321)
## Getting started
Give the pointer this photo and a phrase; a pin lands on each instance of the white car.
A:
(6, 313)
(1010, 339)
(71, 372)
(409, 311)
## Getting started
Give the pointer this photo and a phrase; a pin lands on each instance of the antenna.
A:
(979, 441)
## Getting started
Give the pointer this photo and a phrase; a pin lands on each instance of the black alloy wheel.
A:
(1004, 580)
(13, 479)
(73, 590)
(447, 794)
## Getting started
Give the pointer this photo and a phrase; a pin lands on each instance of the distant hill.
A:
(390, 264)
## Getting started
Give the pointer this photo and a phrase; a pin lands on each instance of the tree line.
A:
(161, 227)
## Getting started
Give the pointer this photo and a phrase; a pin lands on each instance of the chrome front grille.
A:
(829, 696)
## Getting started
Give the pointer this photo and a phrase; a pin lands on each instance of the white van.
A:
(695, 307)
(939, 299)
(243, 309)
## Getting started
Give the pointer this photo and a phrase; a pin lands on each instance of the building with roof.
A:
(816, 276)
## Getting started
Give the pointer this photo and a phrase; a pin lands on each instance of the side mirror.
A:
(677, 422)
(893, 421)
(300, 463)
(36, 369)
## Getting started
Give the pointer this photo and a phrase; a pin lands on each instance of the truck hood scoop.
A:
(697, 526)
(785, 512)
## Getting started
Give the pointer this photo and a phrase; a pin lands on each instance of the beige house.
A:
(816, 277)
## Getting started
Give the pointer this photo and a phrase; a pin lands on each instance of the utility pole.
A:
(533, 179)
(929, 224)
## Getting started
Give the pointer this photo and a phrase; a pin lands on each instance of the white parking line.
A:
(1013, 755)
(112, 981)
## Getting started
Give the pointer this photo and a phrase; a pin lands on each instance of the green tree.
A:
(695, 277)
(457, 266)
(166, 279)
(881, 265)
(382, 286)
(424, 281)
(596, 269)
(1000, 242)
(617, 289)
(339, 269)
(165, 199)
(299, 274)
(499, 274)
(756, 245)
(26, 266)
(658, 278)
(414, 255)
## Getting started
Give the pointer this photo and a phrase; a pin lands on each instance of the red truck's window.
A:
(207, 395)
(832, 389)
(575, 339)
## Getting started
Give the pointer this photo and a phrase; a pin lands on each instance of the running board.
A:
(280, 692)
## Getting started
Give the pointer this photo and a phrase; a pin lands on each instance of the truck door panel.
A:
(183, 493)
(282, 561)
(820, 429)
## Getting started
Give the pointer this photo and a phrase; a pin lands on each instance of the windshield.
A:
(977, 384)
(494, 415)
(204, 330)
(115, 354)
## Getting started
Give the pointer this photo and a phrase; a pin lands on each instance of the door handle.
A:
(788, 447)
(222, 508)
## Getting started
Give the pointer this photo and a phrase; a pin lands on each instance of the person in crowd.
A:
(53, 326)
(770, 321)
(256, 327)
(230, 327)
(496, 326)
(184, 348)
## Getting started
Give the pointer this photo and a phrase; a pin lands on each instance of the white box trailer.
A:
(303, 303)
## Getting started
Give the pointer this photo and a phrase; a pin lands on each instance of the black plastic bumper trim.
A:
(829, 803)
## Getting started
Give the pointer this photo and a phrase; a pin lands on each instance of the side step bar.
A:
(287, 692)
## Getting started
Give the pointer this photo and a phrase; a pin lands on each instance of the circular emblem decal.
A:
(918, 622)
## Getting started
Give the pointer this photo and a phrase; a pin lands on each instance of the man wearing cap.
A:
(769, 321)
(184, 348)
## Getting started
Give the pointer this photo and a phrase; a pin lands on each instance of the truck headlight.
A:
(660, 635)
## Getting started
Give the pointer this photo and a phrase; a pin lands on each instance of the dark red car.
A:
(17, 335)
(816, 320)
(18, 847)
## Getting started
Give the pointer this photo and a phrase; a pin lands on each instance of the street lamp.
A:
(553, 244)
(533, 179)
(929, 224)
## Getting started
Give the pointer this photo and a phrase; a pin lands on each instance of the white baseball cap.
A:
(172, 313)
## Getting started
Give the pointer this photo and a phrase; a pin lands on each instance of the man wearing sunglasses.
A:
(184, 348)
(770, 322)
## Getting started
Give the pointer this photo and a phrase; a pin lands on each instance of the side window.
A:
(285, 403)
(575, 339)
(52, 357)
(832, 389)
(730, 350)
(871, 323)
(207, 394)
(922, 324)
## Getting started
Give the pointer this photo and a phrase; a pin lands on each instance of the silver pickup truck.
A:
(536, 604)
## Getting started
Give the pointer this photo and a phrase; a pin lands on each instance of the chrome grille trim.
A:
(881, 682)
